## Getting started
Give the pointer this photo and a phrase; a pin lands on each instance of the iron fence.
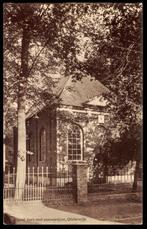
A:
(55, 185)
(41, 183)
(112, 178)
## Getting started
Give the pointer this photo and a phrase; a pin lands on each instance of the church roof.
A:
(74, 92)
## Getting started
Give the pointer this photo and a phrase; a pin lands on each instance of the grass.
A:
(123, 211)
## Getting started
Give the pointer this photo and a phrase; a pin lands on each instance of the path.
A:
(37, 213)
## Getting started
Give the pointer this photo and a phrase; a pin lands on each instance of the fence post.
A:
(79, 173)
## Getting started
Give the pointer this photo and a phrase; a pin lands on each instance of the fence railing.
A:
(38, 182)
(111, 178)
(57, 183)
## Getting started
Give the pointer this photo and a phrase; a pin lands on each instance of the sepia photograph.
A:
(73, 113)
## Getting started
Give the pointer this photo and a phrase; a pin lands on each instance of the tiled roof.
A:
(78, 92)
(74, 93)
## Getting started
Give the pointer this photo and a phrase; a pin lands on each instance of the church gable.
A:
(97, 101)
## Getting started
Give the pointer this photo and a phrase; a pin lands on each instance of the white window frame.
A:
(81, 142)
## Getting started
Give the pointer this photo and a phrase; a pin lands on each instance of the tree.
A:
(111, 51)
(20, 22)
(21, 30)
(126, 32)
(121, 57)
(79, 39)
(25, 27)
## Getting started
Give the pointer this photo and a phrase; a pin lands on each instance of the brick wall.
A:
(88, 123)
(56, 132)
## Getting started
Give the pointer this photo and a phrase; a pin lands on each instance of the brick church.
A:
(70, 130)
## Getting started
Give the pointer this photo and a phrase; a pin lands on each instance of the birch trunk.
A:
(21, 154)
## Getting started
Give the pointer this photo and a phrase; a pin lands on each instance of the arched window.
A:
(42, 145)
(75, 143)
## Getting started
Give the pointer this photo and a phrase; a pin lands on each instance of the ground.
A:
(111, 209)
(127, 212)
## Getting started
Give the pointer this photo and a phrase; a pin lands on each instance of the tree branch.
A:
(125, 62)
(37, 55)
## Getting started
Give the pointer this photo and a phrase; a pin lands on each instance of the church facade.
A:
(68, 131)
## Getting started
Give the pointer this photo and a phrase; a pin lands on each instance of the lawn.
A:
(123, 211)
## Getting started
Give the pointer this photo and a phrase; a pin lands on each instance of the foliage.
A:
(121, 54)
(103, 40)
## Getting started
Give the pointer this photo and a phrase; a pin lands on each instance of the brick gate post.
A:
(80, 190)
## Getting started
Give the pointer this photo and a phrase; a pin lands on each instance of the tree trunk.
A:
(21, 154)
(4, 154)
(4, 149)
(134, 188)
